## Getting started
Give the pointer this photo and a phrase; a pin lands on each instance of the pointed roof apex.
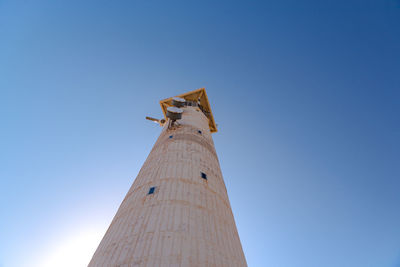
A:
(198, 96)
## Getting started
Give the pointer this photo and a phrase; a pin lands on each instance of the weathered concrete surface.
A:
(188, 220)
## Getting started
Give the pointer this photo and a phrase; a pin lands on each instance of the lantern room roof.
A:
(198, 96)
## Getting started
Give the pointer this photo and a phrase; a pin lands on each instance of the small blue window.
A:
(171, 136)
(204, 176)
(151, 191)
(199, 131)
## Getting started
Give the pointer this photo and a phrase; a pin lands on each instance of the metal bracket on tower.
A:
(173, 114)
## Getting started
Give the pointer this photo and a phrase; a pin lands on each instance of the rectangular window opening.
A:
(204, 176)
(199, 131)
(171, 136)
(151, 190)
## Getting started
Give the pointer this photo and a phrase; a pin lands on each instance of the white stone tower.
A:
(177, 211)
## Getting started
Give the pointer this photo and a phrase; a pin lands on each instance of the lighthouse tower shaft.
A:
(177, 211)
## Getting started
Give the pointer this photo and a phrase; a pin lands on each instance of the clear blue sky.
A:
(306, 95)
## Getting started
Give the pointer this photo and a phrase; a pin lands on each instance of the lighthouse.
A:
(177, 211)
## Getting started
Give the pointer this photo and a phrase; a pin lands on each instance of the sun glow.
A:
(76, 250)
